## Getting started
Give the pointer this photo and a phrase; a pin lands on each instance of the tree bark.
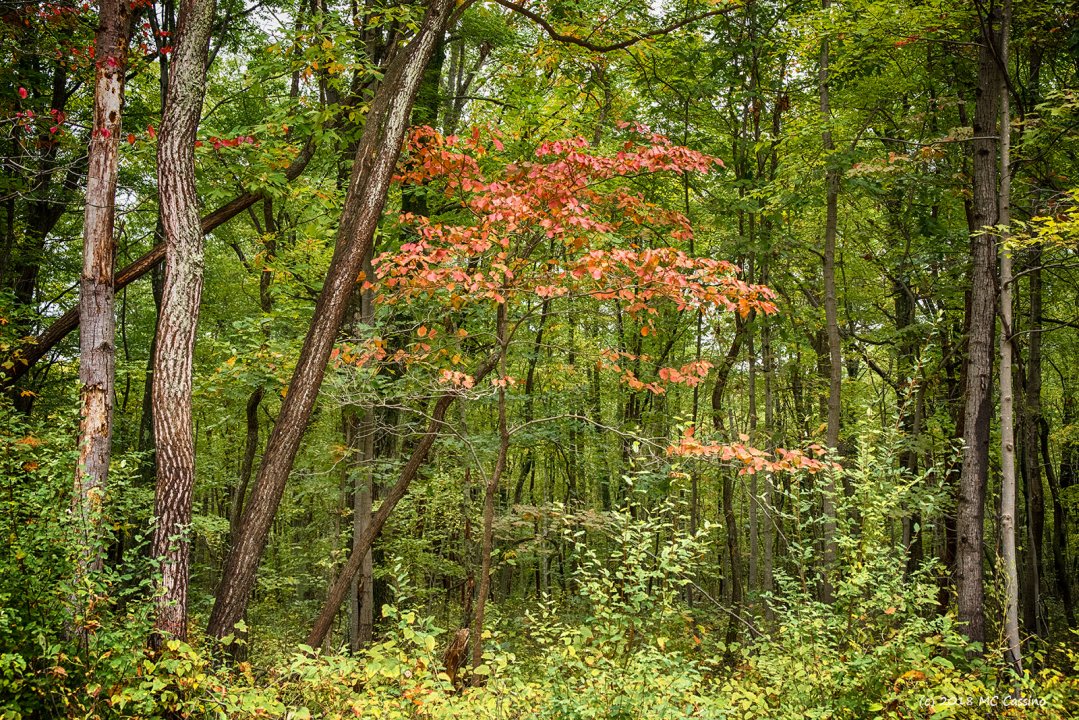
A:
(1013, 654)
(173, 360)
(831, 317)
(970, 510)
(376, 158)
(97, 342)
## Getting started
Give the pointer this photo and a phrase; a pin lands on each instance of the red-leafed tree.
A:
(564, 225)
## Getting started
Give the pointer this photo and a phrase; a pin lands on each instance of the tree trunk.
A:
(98, 338)
(376, 158)
(1013, 653)
(1032, 468)
(730, 520)
(339, 588)
(1060, 529)
(831, 318)
(173, 431)
(489, 501)
(970, 510)
(360, 439)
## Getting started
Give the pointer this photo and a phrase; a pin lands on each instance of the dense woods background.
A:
(540, 359)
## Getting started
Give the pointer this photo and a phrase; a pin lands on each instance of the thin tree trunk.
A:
(727, 499)
(247, 464)
(173, 430)
(360, 439)
(831, 317)
(340, 587)
(489, 502)
(1032, 468)
(970, 510)
(1060, 529)
(376, 158)
(1013, 654)
(97, 341)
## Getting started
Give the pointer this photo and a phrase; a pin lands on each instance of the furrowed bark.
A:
(97, 341)
(981, 320)
(177, 325)
(376, 157)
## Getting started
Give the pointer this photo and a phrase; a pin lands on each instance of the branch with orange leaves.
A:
(753, 460)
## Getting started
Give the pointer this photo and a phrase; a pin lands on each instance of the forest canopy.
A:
(539, 359)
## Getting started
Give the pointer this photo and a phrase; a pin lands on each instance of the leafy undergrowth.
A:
(624, 645)
(623, 642)
(577, 676)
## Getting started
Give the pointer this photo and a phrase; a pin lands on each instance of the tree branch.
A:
(588, 45)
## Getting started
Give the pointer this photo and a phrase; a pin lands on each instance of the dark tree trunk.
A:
(376, 158)
(1060, 530)
(1031, 452)
(831, 319)
(981, 320)
(489, 501)
(730, 520)
(173, 360)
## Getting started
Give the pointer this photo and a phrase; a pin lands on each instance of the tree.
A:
(376, 157)
(177, 325)
(981, 322)
(97, 340)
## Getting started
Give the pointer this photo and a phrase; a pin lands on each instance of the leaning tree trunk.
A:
(970, 510)
(173, 432)
(362, 544)
(98, 338)
(376, 158)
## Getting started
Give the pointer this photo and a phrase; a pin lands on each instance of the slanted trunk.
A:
(376, 158)
(361, 545)
(175, 348)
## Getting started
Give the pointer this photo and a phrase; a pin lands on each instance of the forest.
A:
(553, 359)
